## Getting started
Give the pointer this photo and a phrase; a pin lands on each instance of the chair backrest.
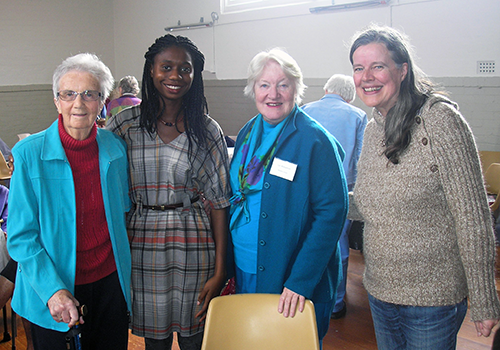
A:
(252, 321)
(4, 168)
(488, 157)
(492, 178)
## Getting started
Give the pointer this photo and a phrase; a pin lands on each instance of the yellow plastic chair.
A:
(487, 158)
(492, 179)
(252, 321)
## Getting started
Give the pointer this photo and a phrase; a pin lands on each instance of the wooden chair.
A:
(492, 179)
(252, 321)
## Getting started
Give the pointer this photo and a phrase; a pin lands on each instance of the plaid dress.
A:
(173, 251)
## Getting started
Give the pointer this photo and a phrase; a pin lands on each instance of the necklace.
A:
(169, 123)
(166, 123)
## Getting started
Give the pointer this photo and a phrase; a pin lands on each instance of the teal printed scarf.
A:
(250, 164)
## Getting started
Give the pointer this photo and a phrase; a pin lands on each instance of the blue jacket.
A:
(301, 220)
(42, 219)
(346, 123)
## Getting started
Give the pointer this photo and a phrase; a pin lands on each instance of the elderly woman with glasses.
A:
(290, 195)
(69, 196)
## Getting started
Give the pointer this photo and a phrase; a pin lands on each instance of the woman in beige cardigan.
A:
(428, 240)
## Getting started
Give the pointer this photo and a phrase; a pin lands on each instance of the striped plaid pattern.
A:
(173, 252)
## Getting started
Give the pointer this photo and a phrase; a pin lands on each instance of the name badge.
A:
(283, 169)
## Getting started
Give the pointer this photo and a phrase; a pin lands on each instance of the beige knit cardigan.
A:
(428, 238)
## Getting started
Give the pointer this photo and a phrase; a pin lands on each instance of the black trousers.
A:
(106, 322)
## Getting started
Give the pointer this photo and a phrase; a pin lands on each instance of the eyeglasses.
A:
(87, 95)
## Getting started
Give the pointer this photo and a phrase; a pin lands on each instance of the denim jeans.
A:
(402, 327)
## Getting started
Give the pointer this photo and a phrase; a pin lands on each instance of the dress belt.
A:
(170, 206)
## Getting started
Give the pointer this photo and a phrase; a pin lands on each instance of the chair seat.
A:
(252, 321)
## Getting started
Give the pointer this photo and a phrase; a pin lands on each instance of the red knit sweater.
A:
(94, 253)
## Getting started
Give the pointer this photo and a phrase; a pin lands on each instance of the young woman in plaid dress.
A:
(177, 156)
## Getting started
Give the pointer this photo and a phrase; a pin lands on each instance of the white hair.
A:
(85, 62)
(287, 64)
(342, 85)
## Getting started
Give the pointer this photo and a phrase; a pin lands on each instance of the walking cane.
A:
(73, 336)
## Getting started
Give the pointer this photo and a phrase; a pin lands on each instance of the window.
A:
(233, 6)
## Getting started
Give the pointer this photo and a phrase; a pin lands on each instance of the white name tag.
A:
(283, 169)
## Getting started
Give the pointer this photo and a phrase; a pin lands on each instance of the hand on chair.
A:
(288, 302)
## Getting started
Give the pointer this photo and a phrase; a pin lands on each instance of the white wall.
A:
(36, 35)
(450, 36)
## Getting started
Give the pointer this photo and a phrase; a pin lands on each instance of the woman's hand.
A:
(484, 327)
(63, 308)
(288, 302)
(211, 290)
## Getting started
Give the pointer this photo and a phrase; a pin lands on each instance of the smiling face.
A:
(172, 73)
(274, 93)
(79, 115)
(376, 76)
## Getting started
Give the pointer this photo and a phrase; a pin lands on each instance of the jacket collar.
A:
(292, 124)
(53, 149)
(52, 146)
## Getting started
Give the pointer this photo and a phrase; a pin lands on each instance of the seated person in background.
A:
(4, 149)
(4, 196)
(128, 88)
(8, 273)
(229, 141)
(7, 279)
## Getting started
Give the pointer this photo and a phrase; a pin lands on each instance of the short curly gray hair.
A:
(129, 85)
(342, 85)
(85, 62)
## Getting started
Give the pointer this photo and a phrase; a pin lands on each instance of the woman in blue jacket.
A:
(289, 195)
(69, 196)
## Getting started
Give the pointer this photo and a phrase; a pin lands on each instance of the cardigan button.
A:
(263, 215)
(434, 168)
(425, 141)
(267, 185)
(262, 242)
(261, 268)
(418, 120)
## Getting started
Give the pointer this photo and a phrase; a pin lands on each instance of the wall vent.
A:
(485, 67)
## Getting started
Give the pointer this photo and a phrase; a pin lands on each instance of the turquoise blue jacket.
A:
(301, 220)
(42, 219)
